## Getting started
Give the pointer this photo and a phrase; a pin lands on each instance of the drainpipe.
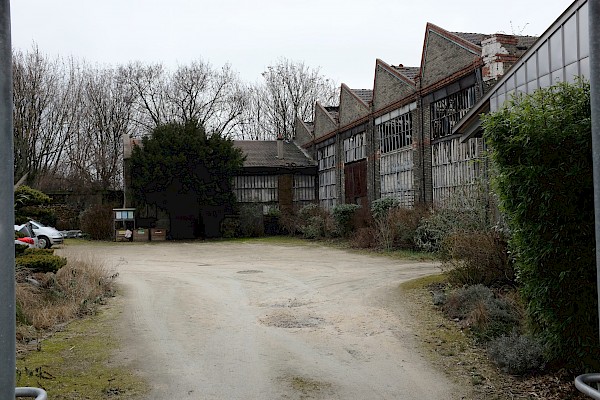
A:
(7, 217)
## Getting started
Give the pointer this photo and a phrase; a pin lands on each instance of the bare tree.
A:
(290, 89)
(94, 153)
(45, 93)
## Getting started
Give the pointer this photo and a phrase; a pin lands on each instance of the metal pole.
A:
(594, 32)
(7, 217)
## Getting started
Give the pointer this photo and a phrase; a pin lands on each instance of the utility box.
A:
(157, 234)
(141, 235)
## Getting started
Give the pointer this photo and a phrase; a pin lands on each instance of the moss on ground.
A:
(75, 363)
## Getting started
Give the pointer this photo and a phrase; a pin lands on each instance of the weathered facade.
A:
(397, 140)
(277, 174)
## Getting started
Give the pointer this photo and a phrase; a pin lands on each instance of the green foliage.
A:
(20, 249)
(40, 260)
(542, 150)
(97, 222)
(381, 207)
(343, 215)
(314, 222)
(464, 212)
(251, 223)
(517, 354)
(181, 160)
(32, 204)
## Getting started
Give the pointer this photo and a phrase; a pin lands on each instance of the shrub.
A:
(344, 217)
(97, 222)
(32, 204)
(315, 222)
(74, 290)
(486, 315)
(381, 207)
(517, 354)
(251, 220)
(364, 238)
(289, 222)
(542, 151)
(476, 257)
(230, 227)
(467, 210)
(396, 227)
(40, 260)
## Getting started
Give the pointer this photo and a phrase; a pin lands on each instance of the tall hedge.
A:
(542, 150)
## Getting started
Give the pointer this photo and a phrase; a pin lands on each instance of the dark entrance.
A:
(355, 182)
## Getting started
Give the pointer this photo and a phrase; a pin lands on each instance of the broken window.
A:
(355, 148)
(446, 113)
(395, 133)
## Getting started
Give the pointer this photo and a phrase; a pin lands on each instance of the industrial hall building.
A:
(397, 139)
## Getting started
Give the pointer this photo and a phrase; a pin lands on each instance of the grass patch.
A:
(75, 363)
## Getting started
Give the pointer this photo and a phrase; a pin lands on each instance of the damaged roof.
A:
(263, 153)
(409, 72)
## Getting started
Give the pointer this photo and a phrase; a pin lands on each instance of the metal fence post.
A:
(7, 251)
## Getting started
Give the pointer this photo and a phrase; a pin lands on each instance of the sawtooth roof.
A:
(263, 153)
(366, 95)
(409, 72)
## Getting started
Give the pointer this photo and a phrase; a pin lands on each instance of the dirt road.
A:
(253, 320)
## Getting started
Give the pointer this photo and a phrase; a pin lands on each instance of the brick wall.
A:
(443, 58)
(388, 88)
(351, 108)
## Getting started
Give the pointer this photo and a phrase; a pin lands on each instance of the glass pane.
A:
(522, 89)
(521, 75)
(531, 68)
(129, 214)
(544, 81)
(584, 39)
(556, 49)
(510, 83)
(558, 76)
(571, 71)
(532, 86)
(584, 67)
(542, 59)
(118, 215)
(570, 38)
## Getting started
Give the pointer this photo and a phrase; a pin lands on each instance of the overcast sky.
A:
(342, 37)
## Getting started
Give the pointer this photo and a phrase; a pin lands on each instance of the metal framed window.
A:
(446, 112)
(395, 133)
(355, 148)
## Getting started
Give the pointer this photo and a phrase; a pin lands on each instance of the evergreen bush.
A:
(344, 215)
(542, 149)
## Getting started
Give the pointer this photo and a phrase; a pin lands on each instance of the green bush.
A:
(517, 354)
(33, 204)
(344, 215)
(314, 222)
(251, 220)
(542, 150)
(230, 227)
(381, 207)
(40, 260)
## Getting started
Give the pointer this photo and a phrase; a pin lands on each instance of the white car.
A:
(46, 235)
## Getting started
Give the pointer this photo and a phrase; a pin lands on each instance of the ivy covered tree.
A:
(186, 172)
(542, 149)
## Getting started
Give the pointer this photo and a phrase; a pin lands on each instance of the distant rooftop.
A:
(263, 153)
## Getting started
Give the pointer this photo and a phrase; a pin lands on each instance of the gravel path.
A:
(252, 320)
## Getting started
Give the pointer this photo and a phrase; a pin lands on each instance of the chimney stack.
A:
(280, 146)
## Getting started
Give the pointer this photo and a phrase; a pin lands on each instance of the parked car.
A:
(29, 235)
(47, 235)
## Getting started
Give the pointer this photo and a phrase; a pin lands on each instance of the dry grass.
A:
(47, 300)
